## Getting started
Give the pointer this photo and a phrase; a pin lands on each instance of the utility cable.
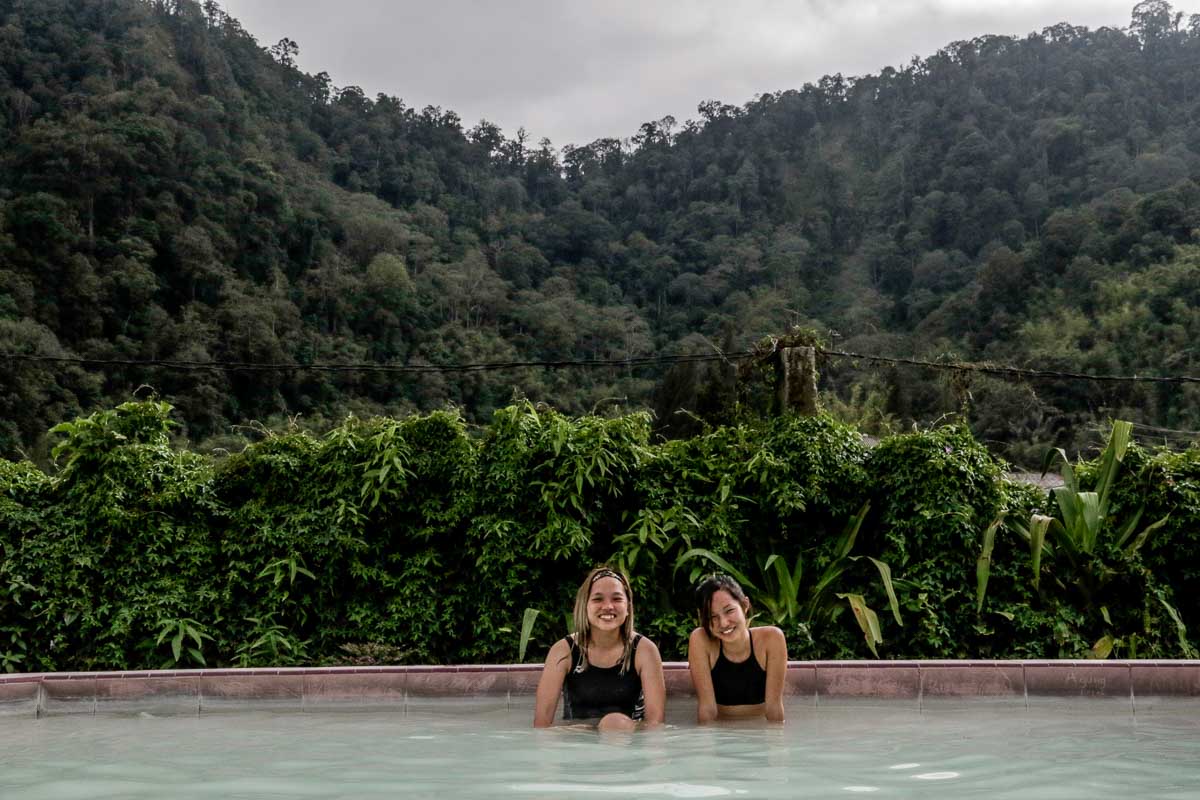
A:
(1012, 372)
(1019, 373)
(245, 366)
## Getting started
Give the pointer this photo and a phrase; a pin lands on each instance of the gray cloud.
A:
(577, 70)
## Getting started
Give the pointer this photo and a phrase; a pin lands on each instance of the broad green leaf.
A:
(1038, 525)
(195, 635)
(1144, 535)
(850, 532)
(1110, 460)
(531, 615)
(177, 644)
(1103, 647)
(885, 574)
(699, 552)
(983, 566)
(867, 620)
(1180, 628)
(1089, 534)
(831, 574)
(789, 588)
(1070, 506)
(1129, 526)
(1068, 474)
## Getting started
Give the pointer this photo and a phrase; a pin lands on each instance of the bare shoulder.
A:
(699, 638)
(769, 635)
(560, 652)
(646, 646)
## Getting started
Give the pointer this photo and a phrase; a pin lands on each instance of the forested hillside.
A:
(172, 189)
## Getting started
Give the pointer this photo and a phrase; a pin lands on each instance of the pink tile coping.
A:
(308, 687)
(859, 680)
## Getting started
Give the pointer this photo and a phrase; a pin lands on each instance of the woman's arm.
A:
(698, 666)
(558, 661)
(654, 687)
(776, 672)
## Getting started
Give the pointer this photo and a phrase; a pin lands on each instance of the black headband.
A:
(606, 573)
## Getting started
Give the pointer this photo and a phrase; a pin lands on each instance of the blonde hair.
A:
(583, 629)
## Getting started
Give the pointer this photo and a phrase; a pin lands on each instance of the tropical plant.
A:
(177, 631)
(983, 566)
(653, 533)
(1084, 518)
(791, 600)
(272, 644)
(1085, 546)
(282, 569)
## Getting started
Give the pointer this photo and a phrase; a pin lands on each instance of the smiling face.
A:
(607, 604)
(727, 616)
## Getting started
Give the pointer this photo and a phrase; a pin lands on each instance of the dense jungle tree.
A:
(172, 189)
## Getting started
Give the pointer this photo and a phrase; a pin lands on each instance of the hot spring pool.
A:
(1053, 750)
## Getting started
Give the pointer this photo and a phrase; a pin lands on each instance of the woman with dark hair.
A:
(605, 671)
(737, 671)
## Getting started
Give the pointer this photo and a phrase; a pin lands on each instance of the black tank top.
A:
(743, 683)
(595, 691)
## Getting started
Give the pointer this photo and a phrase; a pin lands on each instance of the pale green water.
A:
(1082, 751)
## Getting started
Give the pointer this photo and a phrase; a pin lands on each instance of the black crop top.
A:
(741, 683)
(595, 691)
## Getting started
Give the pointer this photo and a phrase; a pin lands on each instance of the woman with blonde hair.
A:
(605, 671)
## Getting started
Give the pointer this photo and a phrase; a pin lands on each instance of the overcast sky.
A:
(578, 70)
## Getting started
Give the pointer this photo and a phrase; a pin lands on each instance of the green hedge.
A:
(424, 540)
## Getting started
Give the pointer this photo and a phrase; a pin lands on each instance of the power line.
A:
(1000, 370)
(1012, 372)
(247, 366)
(1165, 431)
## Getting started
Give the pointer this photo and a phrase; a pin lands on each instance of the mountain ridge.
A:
(169, 188)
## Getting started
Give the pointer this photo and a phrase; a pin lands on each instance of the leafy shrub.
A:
(934, 492)
(425, 540)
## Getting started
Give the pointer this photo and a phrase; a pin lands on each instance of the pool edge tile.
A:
(159, 695)
(61, 696)
(995, 679)
(19, 699)
(1077, 679)
(1165, 679)
(445, 683)
(347, 690)
(800, 684)
(897, 682)
(259, 691)
(523, 682)
(678, 682)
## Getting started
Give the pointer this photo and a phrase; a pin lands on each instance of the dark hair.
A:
(708, 587)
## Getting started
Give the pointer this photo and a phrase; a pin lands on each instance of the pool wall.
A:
(404, 688)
